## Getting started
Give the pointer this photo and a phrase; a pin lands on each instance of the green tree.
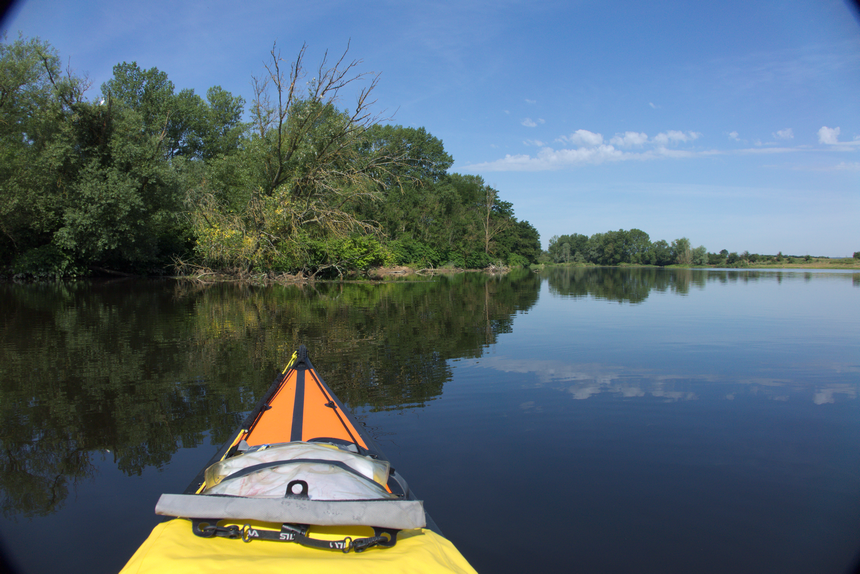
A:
(639, 243)
(595, 250)
(418, 202)
(304, 169)
(99, 183)
(467, 228)
(497, 215)
(222, 130)
(521, 241)
(422, 158)
(681, 251)
(35, 99)
(123, 198)
(662, 253)
(554, 248)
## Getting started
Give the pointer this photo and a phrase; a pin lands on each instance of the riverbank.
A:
(846, 263)
(374, 274)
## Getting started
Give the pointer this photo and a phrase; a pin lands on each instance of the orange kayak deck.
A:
(298, 406)
(302, 408)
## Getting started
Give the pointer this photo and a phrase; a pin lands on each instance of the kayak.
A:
(301, 487)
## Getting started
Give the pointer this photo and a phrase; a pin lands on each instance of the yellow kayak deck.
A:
(172, 547)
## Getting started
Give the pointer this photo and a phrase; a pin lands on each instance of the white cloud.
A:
(828, 136)
(674, 136)
(529, 123)
(785, 134)
(528, 101)
(584, 147)
(550, 159)
(583, 138)
(765, 150)
(842, 166)
(653, 106)
(629, 139)
(592, 155)
(848, 166)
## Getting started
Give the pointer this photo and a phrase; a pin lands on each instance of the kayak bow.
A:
(303, 474)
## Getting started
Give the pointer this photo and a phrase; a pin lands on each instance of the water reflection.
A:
(622, 285)
(634, 285)
(827, 395)
(586, 380)
(139, 369)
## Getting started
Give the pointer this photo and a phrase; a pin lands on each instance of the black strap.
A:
(208, 528)
(298, 405)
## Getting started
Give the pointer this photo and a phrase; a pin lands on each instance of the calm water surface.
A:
(591, 420)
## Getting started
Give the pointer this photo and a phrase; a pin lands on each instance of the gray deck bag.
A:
(301, 483)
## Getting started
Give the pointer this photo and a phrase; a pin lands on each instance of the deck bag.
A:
(300, 483)
(330, 473)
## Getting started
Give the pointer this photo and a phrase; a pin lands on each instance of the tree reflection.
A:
(614, 284)
(633, 285)
(143, 368)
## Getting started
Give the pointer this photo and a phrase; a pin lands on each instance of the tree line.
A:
(633, 247)
(144, 177)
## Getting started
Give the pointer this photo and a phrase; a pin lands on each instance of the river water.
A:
(597, 420)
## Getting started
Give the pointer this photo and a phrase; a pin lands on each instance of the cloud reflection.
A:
(585, 380)
(825, 395)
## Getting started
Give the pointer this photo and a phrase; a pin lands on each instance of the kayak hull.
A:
(298, 408)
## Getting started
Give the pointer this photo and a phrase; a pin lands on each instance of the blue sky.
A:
(733, 123)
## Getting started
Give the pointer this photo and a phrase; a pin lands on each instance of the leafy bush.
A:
(45, 262)
(515, 260)
(349, 254)
(478, 260)
(410, 251)
(455, 260)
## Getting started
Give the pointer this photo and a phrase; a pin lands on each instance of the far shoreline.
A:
(847, 263)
